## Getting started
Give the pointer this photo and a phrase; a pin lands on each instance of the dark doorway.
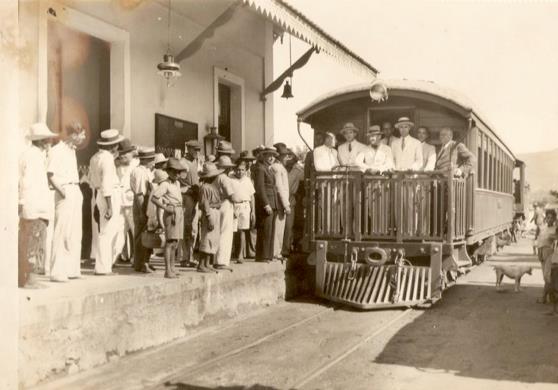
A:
(225, 111)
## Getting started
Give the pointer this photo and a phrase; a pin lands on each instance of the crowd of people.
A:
(221, 208)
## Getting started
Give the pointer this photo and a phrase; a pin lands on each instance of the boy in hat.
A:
(34, 207)
(140, 184)
(349, 150)
(243, 211)
(106, 185)
(169, 198)
(63, 175)
(210, 204)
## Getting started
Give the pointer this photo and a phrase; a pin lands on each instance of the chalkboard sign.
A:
(171, 134)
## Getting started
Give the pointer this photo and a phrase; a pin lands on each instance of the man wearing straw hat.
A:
(35, 204)
(63, 175)
(140, 184)
(105, 183)
(377, 157)
(407, 150)
(348, 151)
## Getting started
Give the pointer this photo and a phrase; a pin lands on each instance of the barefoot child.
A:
(210, 203)
(169, 198)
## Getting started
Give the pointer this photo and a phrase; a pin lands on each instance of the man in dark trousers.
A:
(266, 204)
(453, 156)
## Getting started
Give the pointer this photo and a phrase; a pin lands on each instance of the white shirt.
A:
(380, 159)
(243, 188)
(347, 157)
(35, 196)
(102, 173)
(124, 173)
(409, 157)
(428, 156)
(62, 163)
(325, 158)
(140, 178)
(389, 142)
(281, 183)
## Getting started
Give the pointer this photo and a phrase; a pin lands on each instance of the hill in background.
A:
(542, 174)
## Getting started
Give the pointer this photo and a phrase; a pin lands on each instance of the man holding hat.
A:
(63, 175)
(377, 157)
(35, 204)
(140, 184)
(106, 187)
(348, 151)
(407, 150)
(267, 203)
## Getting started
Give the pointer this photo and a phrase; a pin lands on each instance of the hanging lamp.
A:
(168, 69)
(288, 88)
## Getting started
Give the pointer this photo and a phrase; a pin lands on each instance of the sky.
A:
(503, 55)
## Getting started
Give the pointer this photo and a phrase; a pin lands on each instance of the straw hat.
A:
(247, 155)
(349, 126)
(225, 147)
(146, 153)
(38, 131)
(159, 158)
(174, 163)
(403, 121)
(374, 130)
(210, 170)
(225, 162)
(269, 150)
(125, 146)
(193, 143)
(110, 137)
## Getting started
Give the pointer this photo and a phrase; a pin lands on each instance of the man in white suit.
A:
(428, 151)
(407, 150)
(348, 151)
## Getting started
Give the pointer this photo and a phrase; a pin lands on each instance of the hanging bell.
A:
(287, 91)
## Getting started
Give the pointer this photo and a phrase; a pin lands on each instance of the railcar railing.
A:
(402, 206)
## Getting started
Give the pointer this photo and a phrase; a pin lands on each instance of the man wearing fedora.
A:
(349, 150)
(35, 206)
(377, 157)
(63, 175)
(267, 203)
(106, 186)
(140, 184)
(407, 150)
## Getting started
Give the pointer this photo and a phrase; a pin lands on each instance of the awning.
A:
(289, 19)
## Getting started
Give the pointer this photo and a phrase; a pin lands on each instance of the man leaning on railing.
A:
(377, 157)
(453, 155)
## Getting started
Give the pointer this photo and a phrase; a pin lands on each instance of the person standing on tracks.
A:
(325, 157)
(407, 150)
(377, 157)
(62, 171)
(349, 150)
(428, 151)
(453, 156)
(267, 203)
(389, 137)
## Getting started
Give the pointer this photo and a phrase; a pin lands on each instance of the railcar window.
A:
(486, 162)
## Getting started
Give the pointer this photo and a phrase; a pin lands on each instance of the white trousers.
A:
(278, 233)
(94, 229)
(126, 225)
(223, 256)
(107, 242)
(65, 260)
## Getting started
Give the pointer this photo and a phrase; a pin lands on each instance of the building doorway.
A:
(229, 107)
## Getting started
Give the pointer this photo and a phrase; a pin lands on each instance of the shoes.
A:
(238, 261)
(145, 269)
(204, 270)
(263, 261)
(104, 274)
(151, 267)
(58, 280)
(222, 267)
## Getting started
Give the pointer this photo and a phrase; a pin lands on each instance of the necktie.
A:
(402, 143)
(350, 148)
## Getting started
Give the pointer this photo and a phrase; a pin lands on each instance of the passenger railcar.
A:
(401, 239)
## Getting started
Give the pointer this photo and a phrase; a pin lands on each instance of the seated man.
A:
(351, 148)
(377, 157)
(453, 156)
(325, 156)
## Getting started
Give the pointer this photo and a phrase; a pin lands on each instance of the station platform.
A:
(73, 326)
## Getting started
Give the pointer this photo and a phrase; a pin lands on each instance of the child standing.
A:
(210, 204)
(243, 211)
(169, 198)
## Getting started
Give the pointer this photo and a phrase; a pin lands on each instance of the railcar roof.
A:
(420, 86)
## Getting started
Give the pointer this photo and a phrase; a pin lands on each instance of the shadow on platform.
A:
(478, 332)
(184, 386)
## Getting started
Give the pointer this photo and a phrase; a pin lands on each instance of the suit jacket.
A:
(349, 158)
(266, 193)
(461, 158)
(281, 183)
(408, 158)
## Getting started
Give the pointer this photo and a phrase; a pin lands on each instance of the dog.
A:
(503, 240)
(515, 272)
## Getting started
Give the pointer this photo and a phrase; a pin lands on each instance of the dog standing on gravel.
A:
(515, 272)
